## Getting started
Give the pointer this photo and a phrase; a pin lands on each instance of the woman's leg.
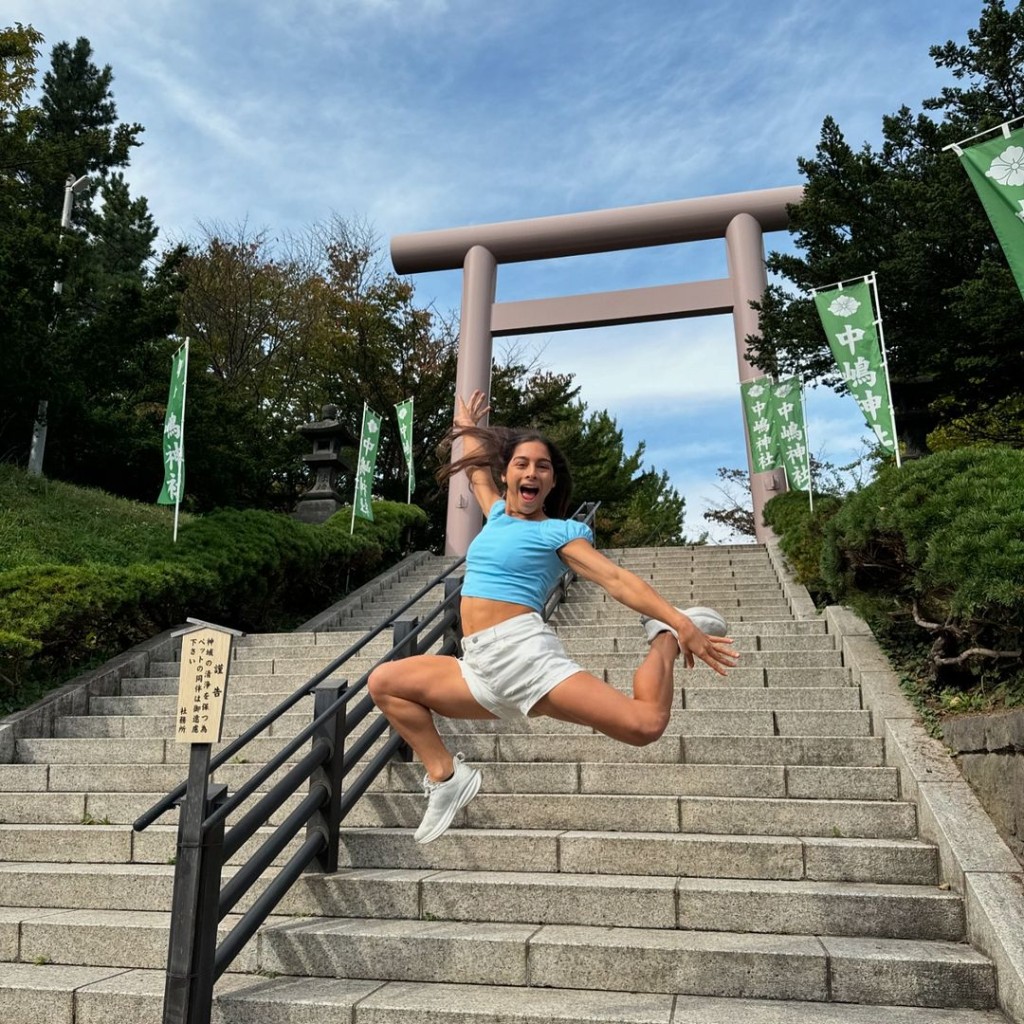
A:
(407, 690)
(638, 720)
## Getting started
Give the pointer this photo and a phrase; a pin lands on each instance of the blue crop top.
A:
(516, 560)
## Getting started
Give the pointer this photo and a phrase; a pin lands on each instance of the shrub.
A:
(245, 569)
(801, 534)
(944, 535)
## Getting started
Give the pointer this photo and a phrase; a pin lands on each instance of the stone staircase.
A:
(757, 863)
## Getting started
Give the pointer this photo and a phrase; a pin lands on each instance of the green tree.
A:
(906, 210)
(83, 349)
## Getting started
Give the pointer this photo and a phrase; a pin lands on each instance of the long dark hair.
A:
(497, 446)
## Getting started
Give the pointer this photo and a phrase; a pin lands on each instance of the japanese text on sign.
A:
(202, 682)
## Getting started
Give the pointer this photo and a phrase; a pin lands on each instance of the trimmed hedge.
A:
(244, 569)
(801, 533)
(940, 540)
(947, 530)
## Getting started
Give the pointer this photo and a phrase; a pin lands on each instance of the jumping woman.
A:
(513, 664)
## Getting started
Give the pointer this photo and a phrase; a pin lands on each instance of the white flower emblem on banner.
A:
(844, 305)
(1008, 167)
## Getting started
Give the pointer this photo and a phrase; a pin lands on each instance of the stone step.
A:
(848, 751)
(614, 614)
(815, 782)
(702, 676)
(770, 966)
(777, 698)
(611, 812)
(625, 620)
(677, 591)
(89, 995)
(894, 861)
(751, 659)
(879, 971)
(905, 861)
(563, 898)
(728, 721)
(879, 861)
(745, 644)
(765, 627)
(283, 684)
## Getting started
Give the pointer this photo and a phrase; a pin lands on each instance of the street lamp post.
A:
(72, 187)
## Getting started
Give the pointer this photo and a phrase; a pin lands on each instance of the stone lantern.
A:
(328, 435)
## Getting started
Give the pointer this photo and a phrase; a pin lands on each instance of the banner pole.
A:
(807, 448)
(839, 284)
(873, 283)
(355, 480)
(957, 147)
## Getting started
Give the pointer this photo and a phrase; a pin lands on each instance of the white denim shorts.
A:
(509, 667)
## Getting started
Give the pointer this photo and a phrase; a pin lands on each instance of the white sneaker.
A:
(446, 799)
(707, 620)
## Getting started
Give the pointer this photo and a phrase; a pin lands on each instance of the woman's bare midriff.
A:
(481, 613)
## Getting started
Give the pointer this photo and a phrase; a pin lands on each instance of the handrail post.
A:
(188, 990)
(404, 640)
(327, 819)
(453, 635)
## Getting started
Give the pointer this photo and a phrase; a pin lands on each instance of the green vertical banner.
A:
(403, 410)
(791, 430)
(174, 431)
(848, 316)
(366, 465)
(996, 168)
(762, 428)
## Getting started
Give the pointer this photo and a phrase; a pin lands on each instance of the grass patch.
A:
(45, 521)
(85, 575)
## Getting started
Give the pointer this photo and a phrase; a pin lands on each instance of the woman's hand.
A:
(714, 651)
(469, 414)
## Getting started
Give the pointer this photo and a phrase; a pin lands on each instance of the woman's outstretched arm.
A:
(628, 589)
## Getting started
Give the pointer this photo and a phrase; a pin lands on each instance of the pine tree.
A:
(78, 348)
(907, 211)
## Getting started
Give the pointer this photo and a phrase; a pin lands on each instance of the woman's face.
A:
(529, 478)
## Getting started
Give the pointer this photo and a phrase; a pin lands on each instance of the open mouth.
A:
(529, 493)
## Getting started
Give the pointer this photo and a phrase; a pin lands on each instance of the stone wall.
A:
(990, 751)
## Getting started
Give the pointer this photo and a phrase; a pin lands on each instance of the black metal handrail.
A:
(195, 960)
(165, 803)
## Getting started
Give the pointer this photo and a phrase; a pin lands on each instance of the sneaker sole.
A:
(707, 620)
(443, 825)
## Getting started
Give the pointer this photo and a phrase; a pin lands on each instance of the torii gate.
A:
(739, 218)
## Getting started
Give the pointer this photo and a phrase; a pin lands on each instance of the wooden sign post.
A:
(199, 720)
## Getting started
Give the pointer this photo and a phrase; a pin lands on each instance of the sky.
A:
(412, 115)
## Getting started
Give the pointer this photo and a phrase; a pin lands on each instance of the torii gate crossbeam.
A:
(740, 218)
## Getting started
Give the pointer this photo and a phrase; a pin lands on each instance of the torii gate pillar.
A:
(744, 243)
(740, 219)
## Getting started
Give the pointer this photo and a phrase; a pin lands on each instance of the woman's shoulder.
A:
(569, 529)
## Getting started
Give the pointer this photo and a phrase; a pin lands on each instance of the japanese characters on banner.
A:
(848, 316)
(174, 435)
(403, 410)
(366, 465)
(788, 411)
(776, 427)
(761, 426)
(996, 168)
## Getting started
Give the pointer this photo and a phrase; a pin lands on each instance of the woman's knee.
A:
(377, 683)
